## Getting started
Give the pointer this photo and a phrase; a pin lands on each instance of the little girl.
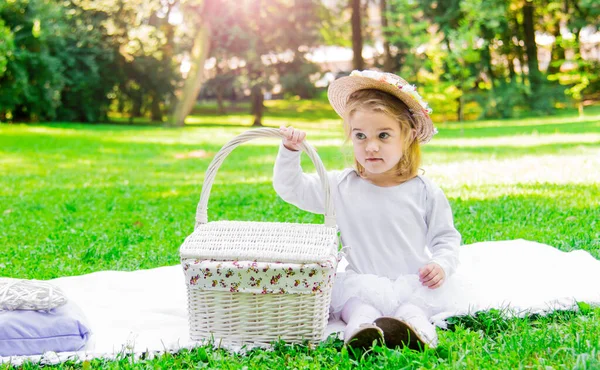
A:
(397, 225)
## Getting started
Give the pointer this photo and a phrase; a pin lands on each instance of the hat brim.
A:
(340, 90)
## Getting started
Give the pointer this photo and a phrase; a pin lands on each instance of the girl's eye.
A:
(360, 136)
(384, 135)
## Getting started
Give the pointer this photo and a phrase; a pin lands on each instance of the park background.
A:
(101, 60)
(111, 110)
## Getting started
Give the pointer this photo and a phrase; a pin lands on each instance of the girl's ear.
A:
(414, 134)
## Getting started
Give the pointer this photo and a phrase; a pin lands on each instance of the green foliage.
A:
(61, 66)
(297, 77)
(32, 81)
(143, 44)
(263, 33)
(7, 46)
(502, 100)
(69, 57)
(466, 52)
(223, 83)
(335, 25)
(581, 77)
(91, 67)
(73, 60)
(406, 31)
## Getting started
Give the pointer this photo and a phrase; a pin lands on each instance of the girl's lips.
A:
(374, 159)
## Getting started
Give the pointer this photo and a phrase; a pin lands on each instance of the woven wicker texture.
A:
(19, 294)
(209, 177)
(242, 318)
(258, 319)
(261, 241)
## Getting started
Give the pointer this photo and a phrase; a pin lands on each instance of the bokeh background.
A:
(160, 60)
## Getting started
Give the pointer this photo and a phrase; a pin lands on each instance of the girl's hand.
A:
(293, 137)
(432, 275)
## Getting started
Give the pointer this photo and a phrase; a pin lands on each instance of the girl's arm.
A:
(442, 237)
(294, 186)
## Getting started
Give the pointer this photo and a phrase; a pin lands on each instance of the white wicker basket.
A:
(252, 283)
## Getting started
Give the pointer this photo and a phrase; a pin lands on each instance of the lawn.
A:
(81, 198)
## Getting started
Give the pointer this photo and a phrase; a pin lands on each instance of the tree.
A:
(144, 51)
(357, 38)
(283, 28)
(90, 60)
(406, 32)
(263, 35)
(33, 74)
(388, 63)
(490, 29)
(200, 51)
(335, 28)
(555, 16)
(580, 77)
(59, 64)
(7, 46)
(296, 76)
(459, 55)
(535, 79)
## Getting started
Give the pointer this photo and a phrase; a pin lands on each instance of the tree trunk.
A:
(487, 54)
(219, 92)
(531, 47)
(460, 113)
(156, 112)
(194, 80)
(357, 40)
(257, 98)
(121, 105)
(445, 64)
(219, 89)
(511, 68)
(388, 62)
(233, 99)
(520, 53)
(557, 53)
(136, 109)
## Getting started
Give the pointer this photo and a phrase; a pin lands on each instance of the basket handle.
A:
(202, 210)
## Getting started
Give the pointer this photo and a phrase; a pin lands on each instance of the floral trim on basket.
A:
(389, 78)
(259, 277)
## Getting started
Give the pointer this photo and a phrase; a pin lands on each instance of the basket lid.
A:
(261, 241)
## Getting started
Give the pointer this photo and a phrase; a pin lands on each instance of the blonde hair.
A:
(379, 101)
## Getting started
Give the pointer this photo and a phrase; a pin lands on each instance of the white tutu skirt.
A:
(387, 295)
(517, 276)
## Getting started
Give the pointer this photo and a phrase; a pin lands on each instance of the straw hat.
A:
(340, 90)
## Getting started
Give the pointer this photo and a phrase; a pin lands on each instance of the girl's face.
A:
(377, 141)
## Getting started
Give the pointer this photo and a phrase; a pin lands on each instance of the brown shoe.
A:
(365, 336)
(397, 333)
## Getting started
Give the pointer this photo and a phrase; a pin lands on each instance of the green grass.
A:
(81, 198)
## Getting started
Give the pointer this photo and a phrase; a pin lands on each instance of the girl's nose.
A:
(372, 147)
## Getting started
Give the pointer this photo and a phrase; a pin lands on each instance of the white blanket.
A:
(146, 310)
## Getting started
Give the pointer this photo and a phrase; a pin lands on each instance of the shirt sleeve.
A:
(442, 237)
(296, 187)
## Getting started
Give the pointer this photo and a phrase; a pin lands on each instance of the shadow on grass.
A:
(37, 132)
(89, 155)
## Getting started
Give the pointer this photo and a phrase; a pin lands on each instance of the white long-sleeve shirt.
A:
(390, 231)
